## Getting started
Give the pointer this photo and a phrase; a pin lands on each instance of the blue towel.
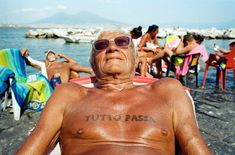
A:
(25, 91)
(5, 74)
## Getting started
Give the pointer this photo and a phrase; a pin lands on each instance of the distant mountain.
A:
(82, 18)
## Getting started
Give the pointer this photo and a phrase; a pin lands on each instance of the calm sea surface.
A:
(15, 38)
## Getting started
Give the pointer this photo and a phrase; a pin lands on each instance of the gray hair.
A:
(110, 29)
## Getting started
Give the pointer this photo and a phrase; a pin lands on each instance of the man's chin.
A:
(114, 69)
(52, 60)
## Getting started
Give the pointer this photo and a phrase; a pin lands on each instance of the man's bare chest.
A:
(111, 117)
(56, 66)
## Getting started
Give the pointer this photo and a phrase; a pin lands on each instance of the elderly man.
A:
(117, 117)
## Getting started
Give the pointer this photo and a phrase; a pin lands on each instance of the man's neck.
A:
(48, 63)
(114, 83)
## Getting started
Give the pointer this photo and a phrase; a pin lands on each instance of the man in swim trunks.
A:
(117, 117)
(65, 70)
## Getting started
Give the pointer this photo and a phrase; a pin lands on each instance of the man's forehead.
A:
(51, 53)
(111, 34)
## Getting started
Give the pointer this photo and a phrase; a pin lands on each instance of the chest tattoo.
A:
(124, 118)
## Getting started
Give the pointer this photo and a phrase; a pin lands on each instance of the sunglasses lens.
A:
(104, 43)
(101, 44)
(122, 41)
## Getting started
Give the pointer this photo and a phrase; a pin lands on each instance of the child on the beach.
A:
(219, 59)
(224, 51)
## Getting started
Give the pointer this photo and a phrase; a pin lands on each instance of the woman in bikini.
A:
(149, 47)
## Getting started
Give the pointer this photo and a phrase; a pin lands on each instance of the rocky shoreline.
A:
(215, 114)
(71, 33)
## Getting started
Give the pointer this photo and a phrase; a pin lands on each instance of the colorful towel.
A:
(27, 91)
(33, 94)
(5, 74)
(12, 59)
(172, 41)
(183, 69)
(202, 50)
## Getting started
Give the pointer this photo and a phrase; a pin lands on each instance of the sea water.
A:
(15, 38)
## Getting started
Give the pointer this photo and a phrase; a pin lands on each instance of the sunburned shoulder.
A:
(167, 84)
(171, 90)
(66, 94)
(68, 89)
(145, 36)
(70, 85)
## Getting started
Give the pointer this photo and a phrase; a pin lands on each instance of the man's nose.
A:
(112, 47)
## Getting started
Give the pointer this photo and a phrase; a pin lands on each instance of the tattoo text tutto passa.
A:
(127, 117)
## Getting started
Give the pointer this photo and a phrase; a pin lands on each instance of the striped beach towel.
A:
(30, 91)
(5, 74)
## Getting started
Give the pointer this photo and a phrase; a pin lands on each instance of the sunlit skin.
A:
(117, 117)
(65, 69)
(150, 38)
(150, 53)
(142, 60)
(220, 57)
(115, 65)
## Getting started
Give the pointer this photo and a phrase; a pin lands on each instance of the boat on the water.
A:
(79, 38)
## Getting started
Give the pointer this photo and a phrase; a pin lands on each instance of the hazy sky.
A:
(127, 11)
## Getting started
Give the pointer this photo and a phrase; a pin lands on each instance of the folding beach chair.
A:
(229, 64)
(26, 91)
(181, 64)
(192, 64)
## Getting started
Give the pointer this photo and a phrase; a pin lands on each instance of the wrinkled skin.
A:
(117, 117)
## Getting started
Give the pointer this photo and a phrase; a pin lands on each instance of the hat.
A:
(47, 52)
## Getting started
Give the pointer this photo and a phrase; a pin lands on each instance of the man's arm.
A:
(77, 68)
(142, 41)
(224, 51)
(25, 54)
(181, 49)
(74, 66)
(68, 59)
(48, 125)
(147, 49)
(29, 63)
(185, 126)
